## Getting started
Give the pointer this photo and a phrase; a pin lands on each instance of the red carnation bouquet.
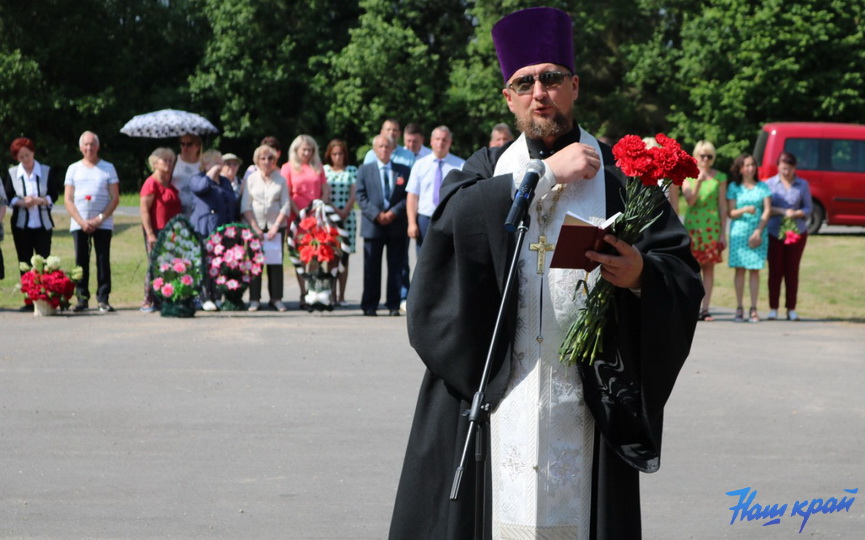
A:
(789, 232)
(652, 172)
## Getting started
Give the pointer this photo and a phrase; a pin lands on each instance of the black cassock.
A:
(452, 306)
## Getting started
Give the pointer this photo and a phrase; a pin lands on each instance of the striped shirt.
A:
(91, 182)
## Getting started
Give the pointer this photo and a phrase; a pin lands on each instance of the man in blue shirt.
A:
(413, 140)
(401, 155)
(425, 182)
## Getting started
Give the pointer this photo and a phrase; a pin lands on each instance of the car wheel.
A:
(818, 215)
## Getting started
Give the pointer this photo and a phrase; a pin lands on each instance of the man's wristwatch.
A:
(101, 217)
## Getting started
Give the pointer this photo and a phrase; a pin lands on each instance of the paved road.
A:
(293, 426)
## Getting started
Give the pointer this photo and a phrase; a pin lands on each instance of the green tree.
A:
(247, 71)
(255, 74)
(737, 64)
(651, 58)
(72, 65)
(384, 70)
(20, 81)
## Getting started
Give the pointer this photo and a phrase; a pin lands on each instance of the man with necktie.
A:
(381, 196)
(424, 184)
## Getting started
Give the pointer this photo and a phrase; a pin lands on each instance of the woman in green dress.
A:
(749, 203)
(706, 217)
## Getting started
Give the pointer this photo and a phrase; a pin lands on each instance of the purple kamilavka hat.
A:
(534, 36)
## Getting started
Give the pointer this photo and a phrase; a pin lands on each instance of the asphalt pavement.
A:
(293, 426)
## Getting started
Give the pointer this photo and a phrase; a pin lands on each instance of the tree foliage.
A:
(255, 74)
(394, 65)
(713, 69)
(739, 64)
(74, 65)
(383, 71)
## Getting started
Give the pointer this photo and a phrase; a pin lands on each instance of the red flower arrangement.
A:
(789, 232)
(317, 242)
(653, 171)
(44, 280)
(315, 246)
(667, 162)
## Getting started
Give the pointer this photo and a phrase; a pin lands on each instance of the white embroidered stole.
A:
(586, 198)
(542, 434)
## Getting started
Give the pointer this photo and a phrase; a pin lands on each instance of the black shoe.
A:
(369, 313)
(394, 313)
(105, 307)
(26, 308)
(80, 306)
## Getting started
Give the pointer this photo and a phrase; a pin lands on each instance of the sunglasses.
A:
(707, 156)
(550, 79)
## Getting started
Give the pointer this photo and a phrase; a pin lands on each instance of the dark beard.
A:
(539, 129)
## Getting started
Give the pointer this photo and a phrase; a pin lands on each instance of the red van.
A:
(831, 157)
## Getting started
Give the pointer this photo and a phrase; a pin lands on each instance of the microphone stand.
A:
(479, 412)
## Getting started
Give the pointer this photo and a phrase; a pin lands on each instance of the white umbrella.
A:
(167, 123)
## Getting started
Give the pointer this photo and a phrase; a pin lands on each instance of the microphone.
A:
(525, 194)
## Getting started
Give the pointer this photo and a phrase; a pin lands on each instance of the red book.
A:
(577, 236)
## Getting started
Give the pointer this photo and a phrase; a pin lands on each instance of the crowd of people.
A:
(396, 190)
(756, 211)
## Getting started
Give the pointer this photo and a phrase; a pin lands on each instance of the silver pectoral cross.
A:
(542, 247)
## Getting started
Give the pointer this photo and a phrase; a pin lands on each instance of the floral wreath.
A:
(234, 257)
(176, 266)
(316, 245)
(44, 280)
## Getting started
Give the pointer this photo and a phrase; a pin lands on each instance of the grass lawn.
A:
(831, 283)
(128, 263)
(831, 280)
(126, 199)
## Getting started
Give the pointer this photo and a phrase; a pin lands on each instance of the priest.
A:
(566, 444)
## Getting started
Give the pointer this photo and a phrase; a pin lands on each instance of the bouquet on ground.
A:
(43, 280)
(653, 171)
(316, 246)
(234, 257)
(789, 233)
(177, 268)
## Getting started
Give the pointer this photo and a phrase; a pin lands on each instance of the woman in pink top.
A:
(304, 174)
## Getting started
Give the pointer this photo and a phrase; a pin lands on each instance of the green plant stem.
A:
(585, 338)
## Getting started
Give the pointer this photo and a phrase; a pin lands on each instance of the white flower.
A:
(52, 263)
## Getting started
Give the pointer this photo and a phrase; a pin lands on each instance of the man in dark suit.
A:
(381, 197)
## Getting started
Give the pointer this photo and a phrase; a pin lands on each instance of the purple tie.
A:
(437, 182)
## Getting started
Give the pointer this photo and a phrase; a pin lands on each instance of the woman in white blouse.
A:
(265, 206)
(31, 189)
